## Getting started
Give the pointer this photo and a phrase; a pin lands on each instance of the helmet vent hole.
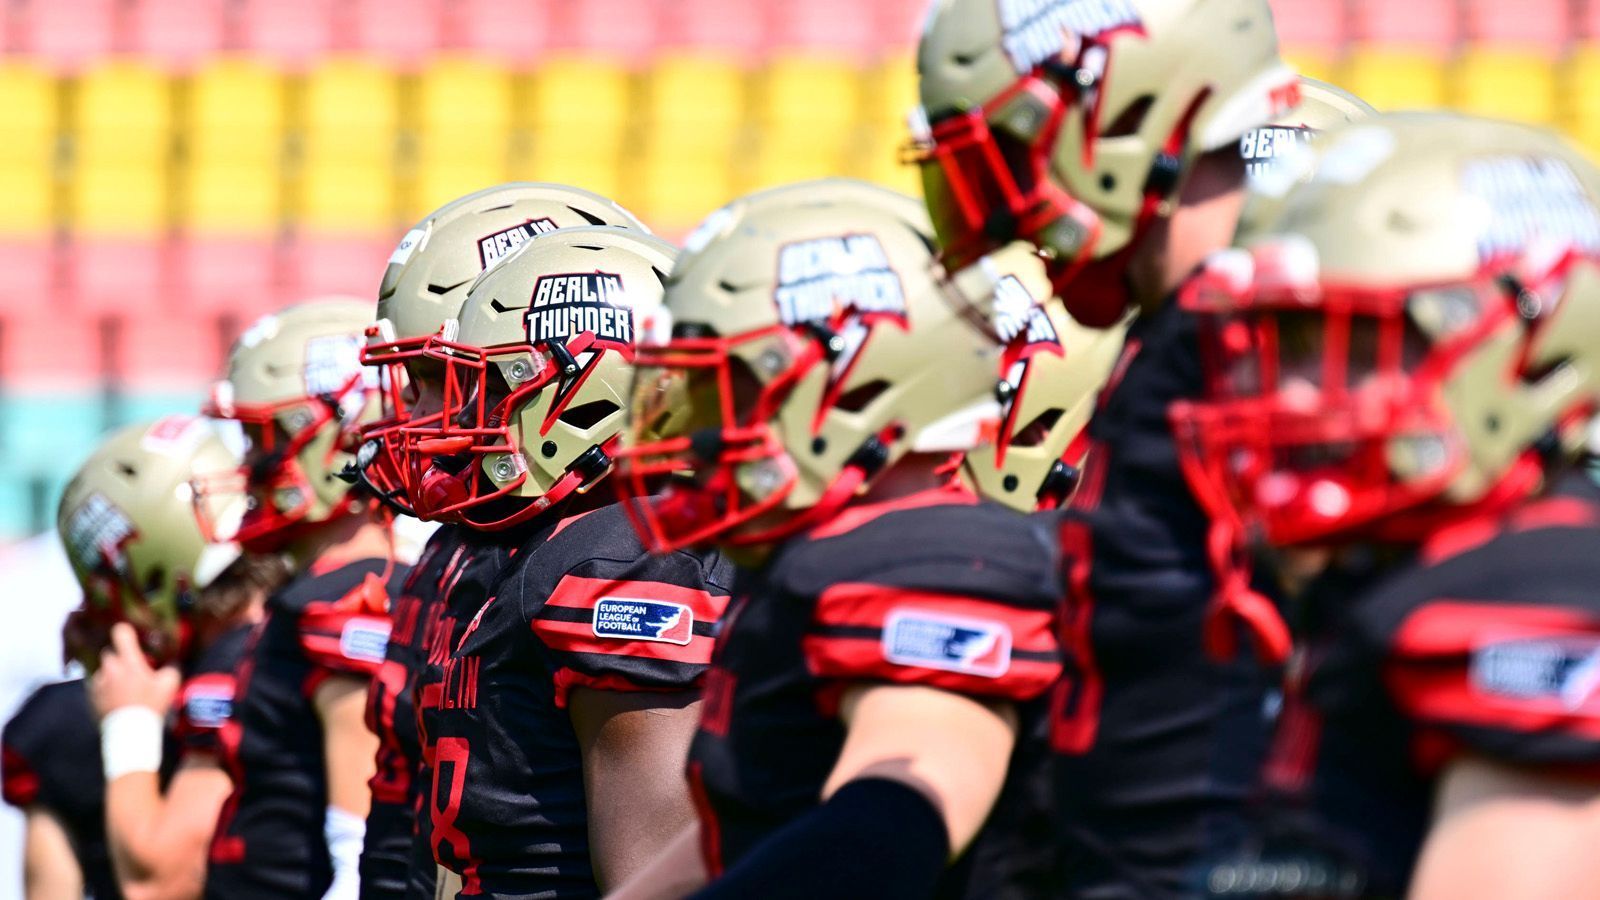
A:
(588, 415)
(660, 276)
(587, 217)
(1491, 423)
(1131, 119)
(859, 398)
(1010, 483)
(819, 446)
(548, 449)
(1108, 182)
(1037, 431)
(126, 470)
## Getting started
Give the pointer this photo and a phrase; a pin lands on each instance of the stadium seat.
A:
(350, 111)
(1394, 79)
(28, 94)
(466, 97)
(626, 31)
(674, 192)
(32, 267)
(694, 99)
(578, 102)
(733, 28)
(67, 34)
(403, 32)
(318, 264)
(878, 160)
(293, 32)
(345, 196)
(899, 25)
(238, 199)
(1311, 25)
(107, 275)
(122, 111)
(510, 33)
(1505, 84)
(1426, 25)
(442, 178)
(599, 172)
(143, 357)
(843, 27)
(44, 348)
(225, 277)
(118, 199)
(1580, 94)
(28, 185)
(234, 111)
(1312, 64)
(1543, 25)
(890, 90)
(811, 93)
(176, 33)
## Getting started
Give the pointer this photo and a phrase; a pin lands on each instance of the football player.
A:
(563, 712)
(298, 750)
(423, 287)
(813, 370)
(1402, 371)
(156, 593)
(1109, 135)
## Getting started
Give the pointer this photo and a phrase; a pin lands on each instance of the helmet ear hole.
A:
(1037, 431)
(859, 398)
(1131, 118)
(588, 415)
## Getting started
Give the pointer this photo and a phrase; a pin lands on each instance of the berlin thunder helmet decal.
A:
(567, 305)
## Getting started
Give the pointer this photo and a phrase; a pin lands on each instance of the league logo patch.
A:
(364, 639)
(1036, 30)
(96, 531)
(819, 278)
(1530, 198)
(492, 248)
(208, 707)
(643, 620)
(568, 305)
(1558, 672)
(935, 640)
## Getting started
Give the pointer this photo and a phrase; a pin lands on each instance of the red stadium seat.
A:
(317, 264)
(402, 31)
(1543, 24)
(32, 273)
(829, 26)
(1420, 24)
(292, 31)
(49, 349)
(160, 353)
(733, 28)
(899, 24)
(1317, 25)
(220, 276)
(512, 33)
(111, 276)
(625, 29)
(180, 33)
(67, 33)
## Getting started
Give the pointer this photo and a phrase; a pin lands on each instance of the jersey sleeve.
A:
(1519, 683)
(984, 647)
(205, 704)
(19, 780)
(350, 635)
(648, 628)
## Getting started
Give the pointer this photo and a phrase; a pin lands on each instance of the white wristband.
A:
(346, 833)
(130, 741)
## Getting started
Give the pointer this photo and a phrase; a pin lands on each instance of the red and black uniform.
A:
(582, 605)
(448, 584)
(269, 840)
(51, 760)
(205, 701)
(1486, 641)
(935, 589)
(1158, 745)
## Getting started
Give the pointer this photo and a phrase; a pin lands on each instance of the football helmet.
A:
(295, 382)
(536, 374)
(1415, 335)
(1072, 124)
(1052, 370)
(127, 521)
(1278, 155)
(803, 347)
(427, 280)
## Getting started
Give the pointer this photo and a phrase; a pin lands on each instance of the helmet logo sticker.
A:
(97, 530)
(407, 246)
(332, 360)
(821, 278)
(1017, 314)
(1037, 30)
(1261, 148)
(568, 305)
(493, 248)
(174, 435)
(1530, 199)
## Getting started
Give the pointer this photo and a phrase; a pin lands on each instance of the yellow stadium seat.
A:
(350, 112)
(439, 181)
(346, 197)
(579, 100)
(111, 199)
(697, 98)
(235, 113)
(230, 198)
(810, 93)
(1506, 84)
(1394, 79)
(598, 172)
(676, 191)
(891, 91)
(122, 114)
(1311, 64)
(28, 128)
(470, 95)
(878, 159)
(29, 189)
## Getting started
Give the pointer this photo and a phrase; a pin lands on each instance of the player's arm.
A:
(919, 771)
(49, 867)
(1510, 834)
(633, 745)
(348, 750)
(677, 871)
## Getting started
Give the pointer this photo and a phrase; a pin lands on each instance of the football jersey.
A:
(933, 589)
(269, 840)
(52, 760)
(205, 699)
(1157, 745)
(449, 582)
(1487, 641)
(581, 605)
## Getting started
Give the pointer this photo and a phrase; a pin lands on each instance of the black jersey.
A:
(52, 761)
(933, 589)
(449, 583)
(582, 605)
(205, 700)
(269, 840)
(1487, 641)
(1157, 745)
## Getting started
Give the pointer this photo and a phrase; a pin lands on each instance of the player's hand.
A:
(125, 677)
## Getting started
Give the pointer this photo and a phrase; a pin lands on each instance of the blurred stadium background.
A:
(170, 169)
